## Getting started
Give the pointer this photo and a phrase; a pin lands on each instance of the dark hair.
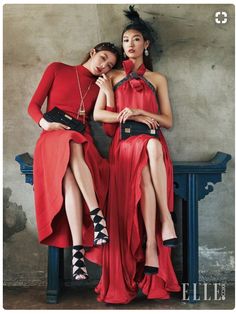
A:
(145, 29)
(105, 46)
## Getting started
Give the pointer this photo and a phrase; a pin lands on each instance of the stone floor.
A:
(85, 298)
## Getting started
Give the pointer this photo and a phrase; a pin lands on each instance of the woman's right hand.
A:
(105, 84)
(50, 126)
(151, 123)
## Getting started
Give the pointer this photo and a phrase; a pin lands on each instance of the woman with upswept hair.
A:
(140, 199)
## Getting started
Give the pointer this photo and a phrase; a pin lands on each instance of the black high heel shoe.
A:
(150, 270)
(173, 242)
(100, 230)
(78, 265)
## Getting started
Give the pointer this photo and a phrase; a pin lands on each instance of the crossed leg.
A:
(159, 180)
(84, 180)
(154, 190)
(148, 209)
(77, 182)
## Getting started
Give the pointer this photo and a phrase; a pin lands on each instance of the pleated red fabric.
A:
(124, 257)
(51, 156)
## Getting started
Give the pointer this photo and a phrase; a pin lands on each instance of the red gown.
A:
(52, 152)
(124, 258)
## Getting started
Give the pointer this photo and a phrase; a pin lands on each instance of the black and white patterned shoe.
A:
(100, 230)
(79, 271)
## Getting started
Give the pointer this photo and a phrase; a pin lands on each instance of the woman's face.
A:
(134, 43)
(102, 62)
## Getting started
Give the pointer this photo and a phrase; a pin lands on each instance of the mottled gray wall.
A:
(195, 54)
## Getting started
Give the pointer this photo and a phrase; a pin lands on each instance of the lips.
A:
(131, 50)
(98, 70)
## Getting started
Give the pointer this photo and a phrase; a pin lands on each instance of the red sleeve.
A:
(110, 128)
(34, 109)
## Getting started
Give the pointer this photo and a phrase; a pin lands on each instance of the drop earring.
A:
(124, 54)
(146, 52)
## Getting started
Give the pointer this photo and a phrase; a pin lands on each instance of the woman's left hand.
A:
(105, 84)
(127, 113)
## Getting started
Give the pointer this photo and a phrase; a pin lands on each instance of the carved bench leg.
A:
(55, 273)
(185, 240)
(192, 238)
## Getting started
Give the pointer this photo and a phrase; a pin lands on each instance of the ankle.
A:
(94, 211)
(165, 217)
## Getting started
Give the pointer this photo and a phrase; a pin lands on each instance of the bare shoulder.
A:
(116, 75)
(158, 79)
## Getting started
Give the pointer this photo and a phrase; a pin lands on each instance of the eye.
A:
(103, 57)
(125, 40)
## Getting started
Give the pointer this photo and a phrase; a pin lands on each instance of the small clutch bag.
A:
(58, 115)
(131, 128)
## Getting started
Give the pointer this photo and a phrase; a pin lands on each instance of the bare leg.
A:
(73, 206)
(148, 208)
(82, 175)
(74, 212)
(84, 180)
(159, 179)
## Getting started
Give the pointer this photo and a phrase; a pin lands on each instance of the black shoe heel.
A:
(171, 242)
(150, 270)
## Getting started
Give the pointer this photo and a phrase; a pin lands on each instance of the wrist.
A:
(40, 122)
(110, 108)
(139, 112)
(109, 93)
(43, 123)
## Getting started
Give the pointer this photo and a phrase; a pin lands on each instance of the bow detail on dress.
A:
(135, 81)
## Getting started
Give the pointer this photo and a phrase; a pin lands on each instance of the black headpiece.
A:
(139, 24)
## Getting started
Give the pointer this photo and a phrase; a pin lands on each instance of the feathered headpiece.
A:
(137, 23)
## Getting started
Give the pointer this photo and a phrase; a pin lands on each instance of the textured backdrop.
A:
(197, 57)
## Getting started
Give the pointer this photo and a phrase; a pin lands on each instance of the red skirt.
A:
(51, 158)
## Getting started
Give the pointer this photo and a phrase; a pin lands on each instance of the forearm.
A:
(103, 115)
(35, 112)
(108, 114)
(164, 121)
(110, 99)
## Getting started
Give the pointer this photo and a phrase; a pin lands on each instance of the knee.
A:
(75, 147)
(154, 149)
(76, 151)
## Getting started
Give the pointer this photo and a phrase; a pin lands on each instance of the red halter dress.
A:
(124, 257)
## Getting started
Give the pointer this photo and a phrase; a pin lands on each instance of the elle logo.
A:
(217, 293)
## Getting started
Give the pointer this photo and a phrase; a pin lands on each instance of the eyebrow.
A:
(136, 35)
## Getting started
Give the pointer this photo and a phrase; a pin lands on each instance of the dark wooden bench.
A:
(192, 182)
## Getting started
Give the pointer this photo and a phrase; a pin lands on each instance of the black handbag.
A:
(58, 115)
(131, 128)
